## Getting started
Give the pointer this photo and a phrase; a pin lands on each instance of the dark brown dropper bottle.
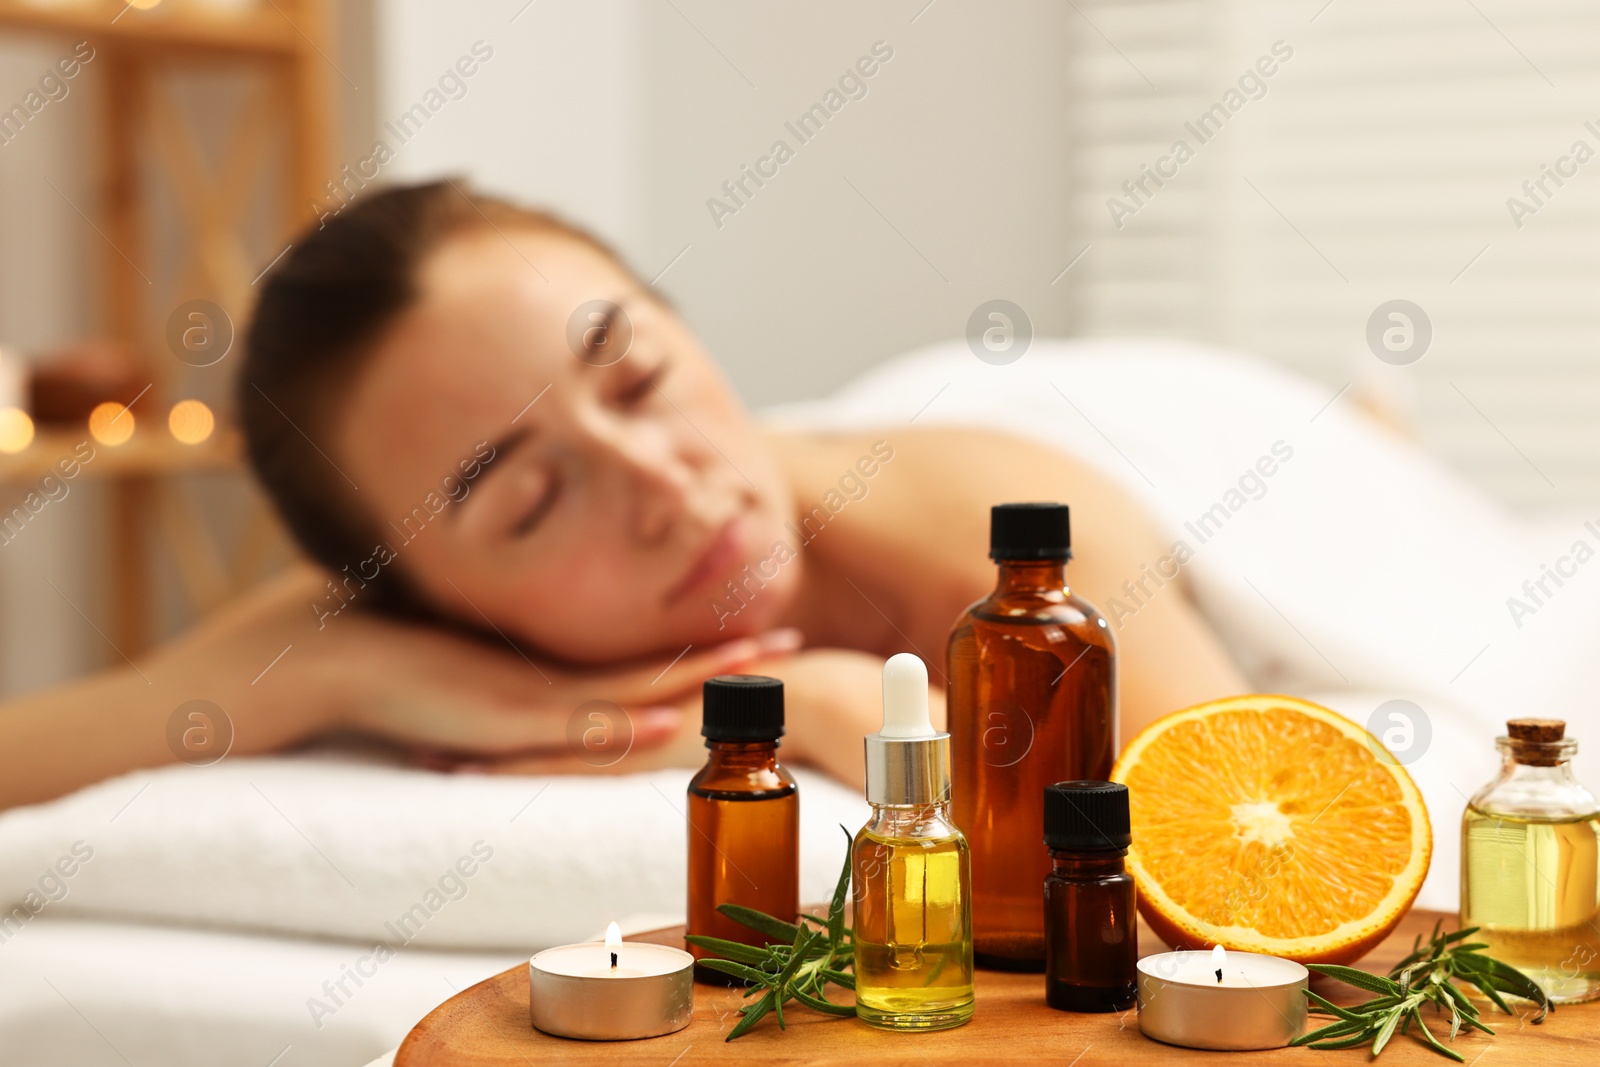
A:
(1091, 942)
(744, 815)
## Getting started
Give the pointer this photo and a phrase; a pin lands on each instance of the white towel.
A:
(381, 854)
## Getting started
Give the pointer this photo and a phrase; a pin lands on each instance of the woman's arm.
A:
(280, 677)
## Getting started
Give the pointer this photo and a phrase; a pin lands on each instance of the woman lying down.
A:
(523, 484)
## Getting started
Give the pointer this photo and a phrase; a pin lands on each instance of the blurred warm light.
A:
(16, 430)
(111, 423)
(191, 421)
(142, 5)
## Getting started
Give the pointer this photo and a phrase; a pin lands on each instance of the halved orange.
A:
(1270, 824)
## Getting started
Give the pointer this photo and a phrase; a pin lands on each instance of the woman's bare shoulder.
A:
(954, 471)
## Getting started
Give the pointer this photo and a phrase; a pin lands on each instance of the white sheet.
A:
(104, 994)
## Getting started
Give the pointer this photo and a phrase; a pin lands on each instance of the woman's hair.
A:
(322, 312)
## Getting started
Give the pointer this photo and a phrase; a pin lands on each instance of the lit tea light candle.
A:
(611, 990)
(1221, 1000)
(16, 430)
(111, 423)
(191, 422)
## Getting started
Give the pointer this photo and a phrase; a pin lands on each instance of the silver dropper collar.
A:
(908, 772)
(908, 762)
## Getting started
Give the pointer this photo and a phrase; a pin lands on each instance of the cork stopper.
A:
(1542, 730)
(1538, 742)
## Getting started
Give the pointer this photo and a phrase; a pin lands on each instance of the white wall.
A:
(630, 115)
(550, 118)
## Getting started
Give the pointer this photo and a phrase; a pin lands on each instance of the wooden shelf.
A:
(184, 198)
(150, 451)
(264, 30)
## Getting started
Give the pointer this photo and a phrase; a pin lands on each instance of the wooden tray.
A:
(487, 1026)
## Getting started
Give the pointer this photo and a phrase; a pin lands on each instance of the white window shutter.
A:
(1377, 166)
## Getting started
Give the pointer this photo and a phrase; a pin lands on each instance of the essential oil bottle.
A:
(744, 815)
(1530, 863)
(911, 871)
(1032, 692)
(1090, 903)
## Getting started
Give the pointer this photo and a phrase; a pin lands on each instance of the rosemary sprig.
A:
(801, 962)
(1423, 978)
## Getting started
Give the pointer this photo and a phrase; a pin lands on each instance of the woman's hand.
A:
(832, 699)
(444, 692)
(456, 698)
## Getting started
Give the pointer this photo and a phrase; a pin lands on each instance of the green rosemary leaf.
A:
(1486, 985)
(839, 977)
(823, 1005)
(1341, 1028)
(732, 950)
(752, 1015)
(1373, 983)
(1385, 1032)
(1510, 980)
(1331, 1008)
(840, 890)
(759, 921)
(1433, 1042)
(1467, 1010)
(1348, 1042)
(758, 979)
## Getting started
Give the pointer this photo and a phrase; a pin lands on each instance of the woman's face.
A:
(552, 453)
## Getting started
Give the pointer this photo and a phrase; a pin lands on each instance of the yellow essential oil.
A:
(913, 921)
(1530, 864)
(911, 871)
(1530, 886)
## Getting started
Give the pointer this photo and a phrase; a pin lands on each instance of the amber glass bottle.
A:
(1032, 701)
(1091, 938)
(744, 815)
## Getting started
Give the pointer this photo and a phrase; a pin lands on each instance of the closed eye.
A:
(640, 390)
(540, 509)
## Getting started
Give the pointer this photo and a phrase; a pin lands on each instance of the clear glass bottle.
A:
(1032, 693)
(1530, 863)
(1091, 932)
(744, 815)
(911, 871)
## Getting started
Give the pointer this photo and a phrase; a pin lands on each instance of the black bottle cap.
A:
(1086, 816)
(1030, 531)
(742, 707)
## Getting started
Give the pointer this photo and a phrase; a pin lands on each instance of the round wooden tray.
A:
(487, 1026)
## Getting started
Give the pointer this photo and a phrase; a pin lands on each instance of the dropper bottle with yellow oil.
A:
(911, 871)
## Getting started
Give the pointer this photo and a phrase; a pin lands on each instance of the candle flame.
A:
(613, 942)
(1219, 959)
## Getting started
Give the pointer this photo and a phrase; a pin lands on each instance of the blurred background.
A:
(156, 158)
